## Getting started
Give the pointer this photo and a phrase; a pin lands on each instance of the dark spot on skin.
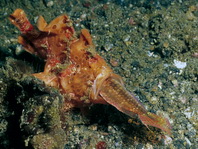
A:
(76, 57)
(65, 20)
(54, 27)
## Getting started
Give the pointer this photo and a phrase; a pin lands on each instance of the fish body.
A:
(76, 70)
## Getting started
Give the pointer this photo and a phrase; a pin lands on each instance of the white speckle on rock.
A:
(188, 112)
(188, 141)
(106, 25)
(149, 146)
(76, 24)
(175, 83)
(83, 16)
(172, 93)
(36, 19)
(126, 38)
(183, 99)
(150, 53)
(18, 50)
(159, 85)
(167, 140)
(154, 100)
(108, 46)
(166, 65)
(179, 64)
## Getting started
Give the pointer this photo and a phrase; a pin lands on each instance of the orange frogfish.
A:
(76, 70)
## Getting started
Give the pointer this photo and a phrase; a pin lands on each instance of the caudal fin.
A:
(154, 120)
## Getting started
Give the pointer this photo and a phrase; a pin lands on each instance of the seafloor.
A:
(152, 44)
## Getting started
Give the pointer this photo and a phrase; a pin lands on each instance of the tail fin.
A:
(156, 121)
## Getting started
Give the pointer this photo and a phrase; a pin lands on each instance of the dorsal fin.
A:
(41, 23)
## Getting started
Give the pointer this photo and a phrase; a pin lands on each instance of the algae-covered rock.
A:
(30, 110)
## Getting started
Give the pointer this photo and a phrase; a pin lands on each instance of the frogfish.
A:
(73, 66)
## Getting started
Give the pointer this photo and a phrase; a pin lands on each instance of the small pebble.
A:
(50, 4)
(179, 64)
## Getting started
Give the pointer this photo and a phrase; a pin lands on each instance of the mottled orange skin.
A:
(73, 67)
(72, 64)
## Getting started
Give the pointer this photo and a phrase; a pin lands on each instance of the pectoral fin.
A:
(41, 23)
